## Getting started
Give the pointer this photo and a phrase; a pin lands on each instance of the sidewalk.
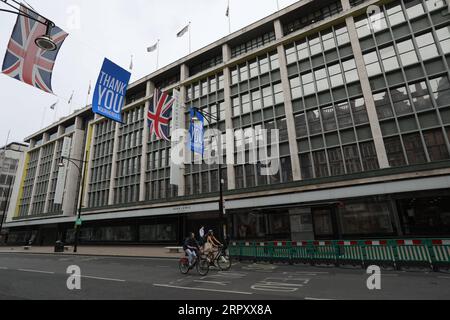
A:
(114, 251)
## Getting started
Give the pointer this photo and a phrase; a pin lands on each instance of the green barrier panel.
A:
(348, 252)
(248, 250)
(264, 251)
(281, 250)
(429, 253)
(235, 250)
(439, 252)
(411, 253)
(301, 251)
(323, 252)
(377, 252)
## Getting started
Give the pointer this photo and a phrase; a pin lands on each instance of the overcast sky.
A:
(115, 29)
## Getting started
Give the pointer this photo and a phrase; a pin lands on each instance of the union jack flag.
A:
(24, 60)
(159, 115)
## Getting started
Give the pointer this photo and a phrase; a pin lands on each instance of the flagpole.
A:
(157, 55)
(190, 37)
(229, 18)
(89, 93)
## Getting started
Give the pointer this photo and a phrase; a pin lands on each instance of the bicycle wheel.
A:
(224, 262)
(202, 266)
(184, 266)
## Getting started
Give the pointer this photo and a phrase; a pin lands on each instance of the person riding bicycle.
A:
(192, 248)
(212, 245)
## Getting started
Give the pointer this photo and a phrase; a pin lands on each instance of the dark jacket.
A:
(191, 243)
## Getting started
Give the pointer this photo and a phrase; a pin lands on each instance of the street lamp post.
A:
(209, 118)
(80, 202)
(45, 41)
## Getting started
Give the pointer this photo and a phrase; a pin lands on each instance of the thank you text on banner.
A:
(110, 90)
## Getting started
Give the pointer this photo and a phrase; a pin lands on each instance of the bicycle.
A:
(222, 259)
(200, 263)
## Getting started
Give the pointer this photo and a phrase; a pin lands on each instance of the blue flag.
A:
(110, 90)
(197, 134)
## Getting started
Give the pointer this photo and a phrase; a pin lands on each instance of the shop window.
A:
(157, 233)
(366, 218)
(427, 216)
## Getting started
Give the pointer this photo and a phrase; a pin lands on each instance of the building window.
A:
(369, 156)
(352, 159)
(408, 55)
(320, 164)
(436, 145)
(336, 162)
(394, 152)
(414, 148)
(427, 46)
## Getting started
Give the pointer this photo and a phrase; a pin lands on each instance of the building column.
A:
(145, 135)
(226, 50)
(69, 207)
(92, 131)
(293, 145)
(49, 187)
(184, 75)
(113, 165)
(367, 90)
(36, 174)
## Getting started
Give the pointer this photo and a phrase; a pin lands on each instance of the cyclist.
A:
(211, 246)
(191, 247)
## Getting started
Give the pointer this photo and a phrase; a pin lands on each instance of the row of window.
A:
(253, 68)
(307, 18)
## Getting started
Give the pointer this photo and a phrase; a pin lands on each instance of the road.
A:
(30, 277)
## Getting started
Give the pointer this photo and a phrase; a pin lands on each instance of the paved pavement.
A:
(45, 277)
(115, 251)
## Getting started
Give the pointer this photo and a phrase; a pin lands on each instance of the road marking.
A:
(36, 271)
(212, 282)
(317, 299)
(201, 289)
(444, 277)
(105, 279)
(3, 268)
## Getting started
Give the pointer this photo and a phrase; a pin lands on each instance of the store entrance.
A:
(325, 223)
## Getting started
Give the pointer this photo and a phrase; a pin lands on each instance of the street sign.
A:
(79, 222)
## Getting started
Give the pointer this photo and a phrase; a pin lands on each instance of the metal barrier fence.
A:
(430, 253)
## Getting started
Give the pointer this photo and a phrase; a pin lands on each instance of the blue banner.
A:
(196, 132)
(110, 90)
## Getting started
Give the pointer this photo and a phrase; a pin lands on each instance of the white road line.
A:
(105, 279)
(36, 271)
(201, 289)
(317, 299)
(212, 282)
(444, 277)
(3, 268)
